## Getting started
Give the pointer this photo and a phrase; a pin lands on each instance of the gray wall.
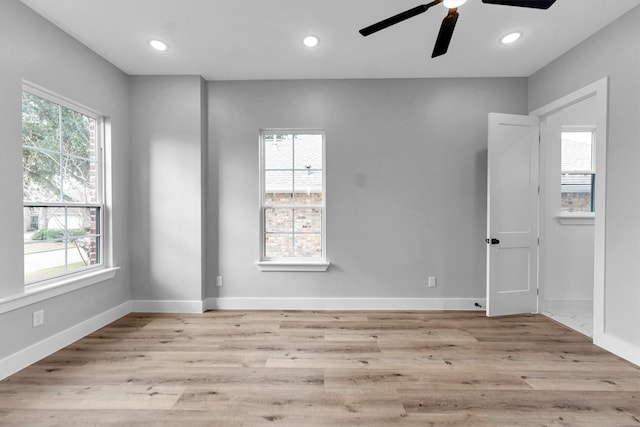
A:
(406, 182)
(613, 52)
(168, 133)
(34, 50)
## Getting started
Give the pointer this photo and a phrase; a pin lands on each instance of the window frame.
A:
(291, 263)
(100, 204)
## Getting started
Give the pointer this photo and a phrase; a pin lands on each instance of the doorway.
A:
(572, 209)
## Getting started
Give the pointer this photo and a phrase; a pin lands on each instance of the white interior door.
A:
(512, 214)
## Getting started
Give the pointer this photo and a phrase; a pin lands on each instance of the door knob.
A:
(493, 241)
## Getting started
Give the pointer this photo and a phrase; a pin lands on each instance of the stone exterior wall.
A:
(293, 231)
(575, 202)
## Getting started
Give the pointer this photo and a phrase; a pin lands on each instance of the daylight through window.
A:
(577, 172)
(62, 197)
(293, 199)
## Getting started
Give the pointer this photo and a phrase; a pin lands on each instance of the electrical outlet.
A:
(432, 281)
(219, 281)
(38, 318)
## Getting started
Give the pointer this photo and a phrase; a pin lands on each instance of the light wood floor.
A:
(275, 368)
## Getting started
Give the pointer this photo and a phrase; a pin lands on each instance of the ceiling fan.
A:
(449, 22)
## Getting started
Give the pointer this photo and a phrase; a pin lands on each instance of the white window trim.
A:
(93, 274)
(54, 287)
(576, 218)
(292, 264)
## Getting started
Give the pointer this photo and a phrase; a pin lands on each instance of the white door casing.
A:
(598, 90)
(512, 214)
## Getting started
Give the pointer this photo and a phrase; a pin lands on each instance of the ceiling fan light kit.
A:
(449, 22)
(453, 4)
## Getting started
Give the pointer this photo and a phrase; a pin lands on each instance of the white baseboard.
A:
(618, 347)
(23, 358)
(343, 304)
(166, 306)
(568, 304)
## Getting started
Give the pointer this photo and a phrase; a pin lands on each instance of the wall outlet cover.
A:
(38, 318)
(432, 281)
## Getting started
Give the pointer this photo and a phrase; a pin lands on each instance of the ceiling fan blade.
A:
(445, 33)
(397, 18)
(536, 4)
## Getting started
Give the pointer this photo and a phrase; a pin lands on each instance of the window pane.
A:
(40, 123)
(308, 187)
(44, 247)
(278, 188)
(308, 152)
(278, 245)
(278, 220)
(82, 221)
(278, 151)
(48, 223)
(43, 259)
(577, 192)
(308, 245)
(79, 183)
(77, 133)
(576, 151)
(278, 182)
(82, 252)
(41, 176)
(59, 240)
(308, 220)
(306, 181)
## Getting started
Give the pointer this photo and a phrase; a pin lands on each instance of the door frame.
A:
(599, 91)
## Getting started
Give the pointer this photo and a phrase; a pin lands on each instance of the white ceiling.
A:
(261, 39)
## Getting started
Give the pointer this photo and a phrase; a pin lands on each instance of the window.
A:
(577, 171)
(292, 197)
(62, 187)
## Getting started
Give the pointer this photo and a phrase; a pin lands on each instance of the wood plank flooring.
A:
(288, 368)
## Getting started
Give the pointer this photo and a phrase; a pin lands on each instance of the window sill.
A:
(581, 218)
(43, 291)
(293, 266)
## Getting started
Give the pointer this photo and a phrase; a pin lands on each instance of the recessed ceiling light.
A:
(158, 45)
(511, 37)
(311, 41)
